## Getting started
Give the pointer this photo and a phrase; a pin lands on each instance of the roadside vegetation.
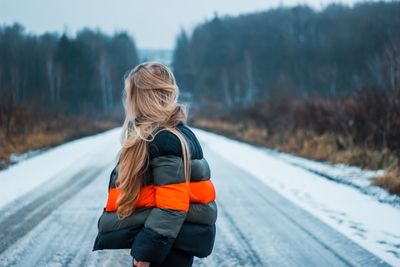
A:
(353, 129)
(30, 133)
(322, 84)
(55, 88)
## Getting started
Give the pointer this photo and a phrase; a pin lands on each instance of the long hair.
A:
(151, 105)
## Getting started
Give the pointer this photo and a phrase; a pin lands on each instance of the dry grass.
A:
(238, 130)
(390, 181)
(330, 147)
(48, 134)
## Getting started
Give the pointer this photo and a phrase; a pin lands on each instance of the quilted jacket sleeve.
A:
(164, 222)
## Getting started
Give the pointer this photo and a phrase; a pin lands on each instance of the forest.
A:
(323, 84)
(296, 52)
(55, 87)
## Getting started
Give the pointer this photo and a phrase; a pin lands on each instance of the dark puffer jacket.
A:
(166, 214)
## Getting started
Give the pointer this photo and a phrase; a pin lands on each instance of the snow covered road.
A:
(51, 219)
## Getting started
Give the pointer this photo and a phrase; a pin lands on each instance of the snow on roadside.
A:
(341, 173)
(15, 158)
(361, 217)
(31, 173)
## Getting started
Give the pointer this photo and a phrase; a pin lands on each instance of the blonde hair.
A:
(151, 105)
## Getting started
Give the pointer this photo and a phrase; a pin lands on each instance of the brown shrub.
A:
(390, 181)
(360, 129)
(371, 117)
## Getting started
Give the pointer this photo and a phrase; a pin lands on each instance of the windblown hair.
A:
(151, 105)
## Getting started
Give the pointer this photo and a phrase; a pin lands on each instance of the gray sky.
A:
(153, 23)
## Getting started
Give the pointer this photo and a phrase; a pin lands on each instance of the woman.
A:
(161, 201)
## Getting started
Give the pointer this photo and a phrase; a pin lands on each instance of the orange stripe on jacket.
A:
(112, 199)
(146, 196)
(202, 192)
(171, 196)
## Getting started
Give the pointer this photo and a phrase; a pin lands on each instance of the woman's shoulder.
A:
(167, 143)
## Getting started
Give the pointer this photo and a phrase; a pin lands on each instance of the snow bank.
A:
(62, 160)
(372, 224)
(341, 173)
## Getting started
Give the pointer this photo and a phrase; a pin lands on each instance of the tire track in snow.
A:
(251, 254)
(26, 218)
(302, 228)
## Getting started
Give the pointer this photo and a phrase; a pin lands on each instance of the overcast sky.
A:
(153, 23)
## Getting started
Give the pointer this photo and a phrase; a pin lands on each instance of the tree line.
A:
(290, 52)
(58, 73)
(56, 87)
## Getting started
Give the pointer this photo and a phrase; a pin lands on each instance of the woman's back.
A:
(169, 212)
